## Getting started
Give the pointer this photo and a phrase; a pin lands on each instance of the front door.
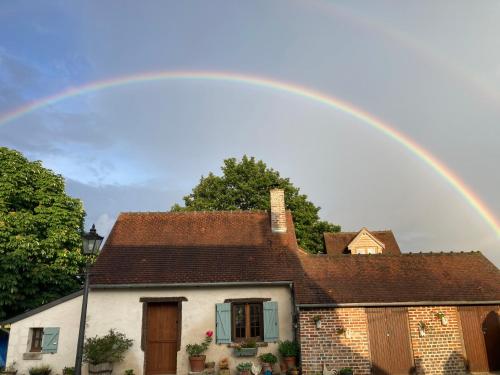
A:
(389, 335)
(161, 338)
(481, 333)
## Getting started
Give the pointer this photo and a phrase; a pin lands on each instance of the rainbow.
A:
(433, 56)
(288, 88)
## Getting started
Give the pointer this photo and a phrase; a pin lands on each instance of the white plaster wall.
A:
(121, 309)
(65, 316)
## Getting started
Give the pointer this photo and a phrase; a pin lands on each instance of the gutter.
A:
(190, 285)
(381, 304)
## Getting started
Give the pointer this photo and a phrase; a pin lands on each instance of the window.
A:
(43, 340)
(247, 321)
(36, 339)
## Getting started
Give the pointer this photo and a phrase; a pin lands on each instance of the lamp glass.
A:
(91, 242)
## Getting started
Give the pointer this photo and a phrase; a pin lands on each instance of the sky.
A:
(429, 69)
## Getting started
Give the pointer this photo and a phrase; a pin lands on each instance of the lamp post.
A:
(91, 244)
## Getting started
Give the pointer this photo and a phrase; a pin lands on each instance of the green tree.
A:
(245, 185)
(40, 235)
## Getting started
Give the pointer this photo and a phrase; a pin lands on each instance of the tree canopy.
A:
(245, 185)
(40, 235)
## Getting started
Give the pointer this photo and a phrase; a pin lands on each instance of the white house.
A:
(164, 279)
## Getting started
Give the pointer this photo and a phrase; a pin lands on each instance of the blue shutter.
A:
(50, 340)
(223, 323)
(271, 324)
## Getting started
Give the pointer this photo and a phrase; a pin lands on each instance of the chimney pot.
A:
(278, 212)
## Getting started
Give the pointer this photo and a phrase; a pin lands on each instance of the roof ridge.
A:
(192, 212)
(415, 254)
(441, 252)
(369, 230)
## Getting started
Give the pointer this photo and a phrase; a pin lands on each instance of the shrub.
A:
(288, 348)
(69, 371)
(109, 348)
(268, 358)
(129, 372)
(244, 366)
(40, 370)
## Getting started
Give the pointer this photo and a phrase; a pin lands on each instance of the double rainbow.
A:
(288, 88)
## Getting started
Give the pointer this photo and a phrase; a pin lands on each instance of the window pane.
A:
(36, 339)
(239, 321)
(255, 320)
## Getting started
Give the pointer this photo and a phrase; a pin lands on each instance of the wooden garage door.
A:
(390, 347)
(161, 335)
(481, 333)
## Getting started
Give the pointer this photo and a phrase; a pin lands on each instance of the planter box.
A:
(245, 352)
(101, 369)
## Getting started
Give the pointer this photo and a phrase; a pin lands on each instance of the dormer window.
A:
(365, 243)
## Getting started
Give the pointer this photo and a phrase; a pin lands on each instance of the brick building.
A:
(385, 312)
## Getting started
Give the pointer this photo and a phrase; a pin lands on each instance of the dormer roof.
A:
(339, 243)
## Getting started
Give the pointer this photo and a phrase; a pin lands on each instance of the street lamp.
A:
(91, 244)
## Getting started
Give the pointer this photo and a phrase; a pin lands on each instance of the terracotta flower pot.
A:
(290, 362)
(197, 363)
(245, 372)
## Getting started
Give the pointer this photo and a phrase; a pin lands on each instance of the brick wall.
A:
(335, 349)
(440, 351)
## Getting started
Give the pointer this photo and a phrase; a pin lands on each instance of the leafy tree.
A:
(40, 235)
(245, 185)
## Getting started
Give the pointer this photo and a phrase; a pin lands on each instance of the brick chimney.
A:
(278, 213)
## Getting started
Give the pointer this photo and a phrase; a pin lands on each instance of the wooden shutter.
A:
(271, 325)
(50, 339)
(223, 323)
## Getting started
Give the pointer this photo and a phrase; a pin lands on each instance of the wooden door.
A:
(389, 335)
(162, 338)
(481, 333)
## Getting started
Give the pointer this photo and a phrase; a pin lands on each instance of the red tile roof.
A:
(221, 247)
(336, 243)
(400, 278)
(206, 228)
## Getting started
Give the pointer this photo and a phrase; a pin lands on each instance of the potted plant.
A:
(195, 352)
(293, 371)
(68, 371)
(247, 348)
(40, 370)
(244, 368)
(101, 352)
(224, 366)
(317, 320)
(289, 351)
(268, 360)
(441, 316)
(9, 370)
(210, 365)
(346, 371)
(129, 372)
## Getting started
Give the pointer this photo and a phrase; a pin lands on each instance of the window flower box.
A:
(245, 352)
